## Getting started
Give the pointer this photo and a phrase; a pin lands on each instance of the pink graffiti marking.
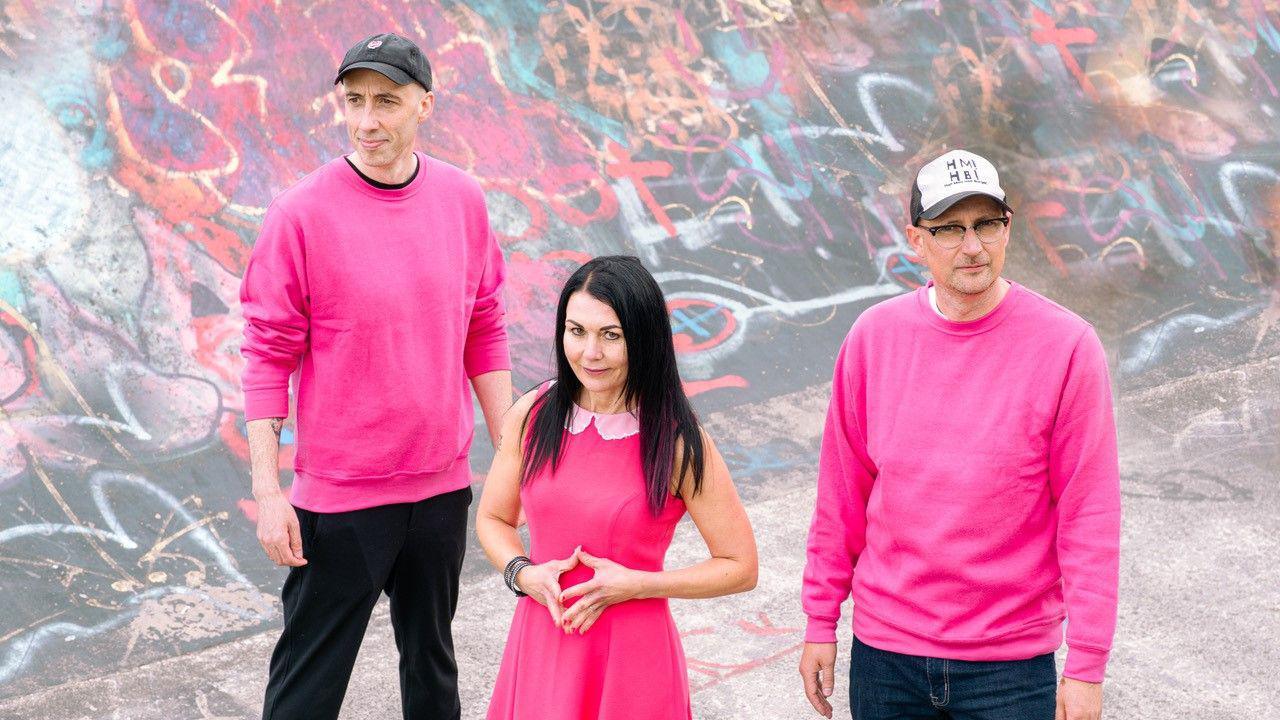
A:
(720, 672)
(697, 387)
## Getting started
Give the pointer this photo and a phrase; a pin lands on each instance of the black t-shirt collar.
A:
(387, 186)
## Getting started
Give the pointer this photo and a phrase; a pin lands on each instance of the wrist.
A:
(267, 493)
(511, 572)
(644, 585)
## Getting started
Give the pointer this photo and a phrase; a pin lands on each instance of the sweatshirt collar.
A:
(969, 327)
(352, 178)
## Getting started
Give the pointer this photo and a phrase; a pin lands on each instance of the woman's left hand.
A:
(611, 585)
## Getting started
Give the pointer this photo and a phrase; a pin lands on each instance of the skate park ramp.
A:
(756, 154)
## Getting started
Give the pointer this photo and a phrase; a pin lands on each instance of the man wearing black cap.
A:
(384, 146)
(968, 486)
(378, 280)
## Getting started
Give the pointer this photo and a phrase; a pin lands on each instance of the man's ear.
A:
(427, 104)
(915, 238)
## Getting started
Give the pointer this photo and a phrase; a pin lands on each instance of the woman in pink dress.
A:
(604, 461)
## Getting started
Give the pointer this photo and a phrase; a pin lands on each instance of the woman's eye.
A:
(612, 336)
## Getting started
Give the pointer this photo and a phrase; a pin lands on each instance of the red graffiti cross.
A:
(1050, 34)
(636, 172)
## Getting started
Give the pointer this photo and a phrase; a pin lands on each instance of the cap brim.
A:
(397, 75)
(932, 212)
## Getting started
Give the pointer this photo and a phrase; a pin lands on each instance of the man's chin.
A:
(972, 285)
(372, 158)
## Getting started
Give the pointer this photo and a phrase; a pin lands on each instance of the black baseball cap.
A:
(391, 55)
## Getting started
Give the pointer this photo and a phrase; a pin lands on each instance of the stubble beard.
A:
(972, 285)
(969, 284)
(375, 158)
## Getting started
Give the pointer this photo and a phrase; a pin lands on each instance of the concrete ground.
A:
(1199, 615)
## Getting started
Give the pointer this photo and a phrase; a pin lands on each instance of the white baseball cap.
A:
(950, 178)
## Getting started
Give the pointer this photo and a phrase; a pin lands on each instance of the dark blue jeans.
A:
(890, 686)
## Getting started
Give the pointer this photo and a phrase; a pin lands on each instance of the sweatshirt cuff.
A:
(266, 403)
(478, 361)
(820, 630)
(1085, 664)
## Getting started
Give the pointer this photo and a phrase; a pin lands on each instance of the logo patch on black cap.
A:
(395, 57)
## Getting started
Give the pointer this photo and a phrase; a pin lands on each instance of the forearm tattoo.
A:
(277, 424)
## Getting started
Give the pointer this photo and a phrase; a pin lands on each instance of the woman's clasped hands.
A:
(542, 583)
(611, 584)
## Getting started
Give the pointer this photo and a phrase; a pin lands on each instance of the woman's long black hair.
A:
(652, 387)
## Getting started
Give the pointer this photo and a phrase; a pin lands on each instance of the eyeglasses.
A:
(950, 237)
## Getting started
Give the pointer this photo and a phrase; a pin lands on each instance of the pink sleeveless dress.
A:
(630, 665)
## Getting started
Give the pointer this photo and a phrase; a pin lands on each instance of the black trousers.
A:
(411, 551)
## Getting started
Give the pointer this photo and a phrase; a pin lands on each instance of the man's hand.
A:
(1078, 700)
(278, 531)
(818, 669)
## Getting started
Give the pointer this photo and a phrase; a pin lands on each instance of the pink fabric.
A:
(611, 426)
(968, 488)
(630, 665)
(384, 302)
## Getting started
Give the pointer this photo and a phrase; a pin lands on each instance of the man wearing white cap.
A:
(968, 486)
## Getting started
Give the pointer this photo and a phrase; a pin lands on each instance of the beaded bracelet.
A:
(514, 566)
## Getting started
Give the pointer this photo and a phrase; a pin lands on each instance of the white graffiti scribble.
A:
(700, 362)
(20, 649)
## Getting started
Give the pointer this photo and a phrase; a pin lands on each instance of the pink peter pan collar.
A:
(611, 426)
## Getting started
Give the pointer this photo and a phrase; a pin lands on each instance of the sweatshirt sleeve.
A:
(275, 302)
(486, 349)
(1084, 478)
(837, 533)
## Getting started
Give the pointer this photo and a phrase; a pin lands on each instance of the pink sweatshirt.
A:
(384, 302)
(968, 486)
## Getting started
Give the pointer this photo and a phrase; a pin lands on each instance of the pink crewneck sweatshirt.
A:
(968, 486)
(385, 302)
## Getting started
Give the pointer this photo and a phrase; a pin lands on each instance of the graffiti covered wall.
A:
(755, 153)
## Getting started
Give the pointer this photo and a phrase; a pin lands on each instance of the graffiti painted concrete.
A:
(755, 153)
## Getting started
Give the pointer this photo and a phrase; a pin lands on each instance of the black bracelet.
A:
(514, 566)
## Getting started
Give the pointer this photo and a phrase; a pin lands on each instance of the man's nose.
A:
(970, 244)
(368, 121)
